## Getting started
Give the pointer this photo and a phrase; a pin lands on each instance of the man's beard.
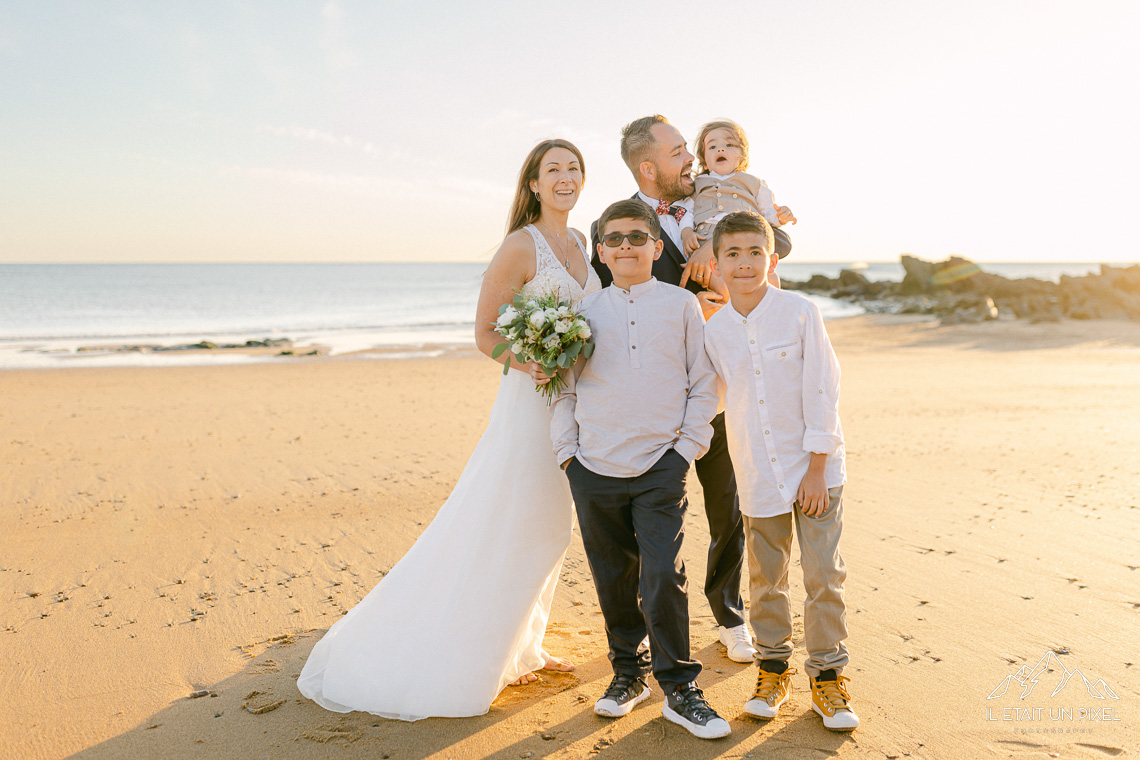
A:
(671, 188)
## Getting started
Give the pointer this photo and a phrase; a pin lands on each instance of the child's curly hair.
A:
(731, 126)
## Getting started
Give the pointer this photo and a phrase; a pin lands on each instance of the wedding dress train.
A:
(464, 612)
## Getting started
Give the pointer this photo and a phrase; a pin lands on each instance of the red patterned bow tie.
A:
(664, 209)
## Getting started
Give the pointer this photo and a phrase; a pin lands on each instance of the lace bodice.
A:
(550, 274)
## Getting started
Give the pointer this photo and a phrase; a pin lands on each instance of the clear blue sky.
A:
(353, 131)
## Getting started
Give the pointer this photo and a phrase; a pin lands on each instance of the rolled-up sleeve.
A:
(822, 433)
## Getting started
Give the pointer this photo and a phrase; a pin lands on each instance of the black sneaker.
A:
(623, 694)
(685, 705)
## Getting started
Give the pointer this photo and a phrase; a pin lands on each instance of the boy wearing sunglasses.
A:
(628, 424)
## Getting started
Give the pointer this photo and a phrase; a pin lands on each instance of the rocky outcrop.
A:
(959, 291)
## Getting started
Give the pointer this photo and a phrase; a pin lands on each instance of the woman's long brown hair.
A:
(526, 207)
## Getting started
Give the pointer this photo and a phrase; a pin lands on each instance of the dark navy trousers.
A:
(632, 529)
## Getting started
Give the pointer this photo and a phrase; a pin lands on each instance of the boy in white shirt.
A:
(780, 382)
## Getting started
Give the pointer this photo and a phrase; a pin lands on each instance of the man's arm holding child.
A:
(696, 429)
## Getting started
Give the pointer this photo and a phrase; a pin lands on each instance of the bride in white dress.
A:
(463, 614)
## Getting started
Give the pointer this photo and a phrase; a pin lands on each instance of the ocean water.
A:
(49, 311)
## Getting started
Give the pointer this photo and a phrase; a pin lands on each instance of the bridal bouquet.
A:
(544, 330)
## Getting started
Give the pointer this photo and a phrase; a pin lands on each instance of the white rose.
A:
(508, 316)
(517, 348)
(552, 340)
(538, 319)
(563, 312)
(585, 333)
(562, 325)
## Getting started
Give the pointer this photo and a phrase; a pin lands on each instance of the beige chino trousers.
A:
(769, 542)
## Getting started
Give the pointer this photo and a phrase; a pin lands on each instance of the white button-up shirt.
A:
(669, 224)
(779, 379)
(647, 388)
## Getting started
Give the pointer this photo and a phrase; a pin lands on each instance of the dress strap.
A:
(543, 255)
(581, 247)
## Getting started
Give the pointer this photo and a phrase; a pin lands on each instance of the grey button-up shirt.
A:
(647, 388)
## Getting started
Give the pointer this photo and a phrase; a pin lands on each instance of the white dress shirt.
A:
(647, 388)
(779, 379)
(669, 224)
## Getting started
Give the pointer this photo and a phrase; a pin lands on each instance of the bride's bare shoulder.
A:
(516, 252)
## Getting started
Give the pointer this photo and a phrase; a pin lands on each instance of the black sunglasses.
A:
(614, 239)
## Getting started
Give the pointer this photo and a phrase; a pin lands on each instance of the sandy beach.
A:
(171, 531)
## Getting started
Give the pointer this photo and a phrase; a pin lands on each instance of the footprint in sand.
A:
(330, 733)
(260, 702)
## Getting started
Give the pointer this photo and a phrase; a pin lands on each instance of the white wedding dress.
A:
(464, 612)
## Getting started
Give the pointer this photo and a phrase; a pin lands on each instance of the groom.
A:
(655, 153)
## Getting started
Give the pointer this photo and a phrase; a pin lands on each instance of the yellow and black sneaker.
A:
(830, 699)
(773, 687)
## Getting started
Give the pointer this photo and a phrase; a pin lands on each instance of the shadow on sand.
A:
(259, 713)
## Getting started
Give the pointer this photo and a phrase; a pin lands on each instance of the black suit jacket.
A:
(667, 268)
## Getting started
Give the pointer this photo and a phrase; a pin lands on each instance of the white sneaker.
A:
(738, 642)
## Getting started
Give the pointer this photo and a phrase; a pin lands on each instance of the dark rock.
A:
(820, 282)
(958, 291)
(918, 276)
(1097, 297)
(849, 278)
(972, 310)
(1122, 278)
(917, 306)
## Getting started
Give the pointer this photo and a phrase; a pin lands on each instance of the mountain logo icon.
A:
(1048, 668)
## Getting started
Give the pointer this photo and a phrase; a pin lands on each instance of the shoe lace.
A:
(768, 684)
(833, 693)
(739, 635)
(695, 703)
(619, 686)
